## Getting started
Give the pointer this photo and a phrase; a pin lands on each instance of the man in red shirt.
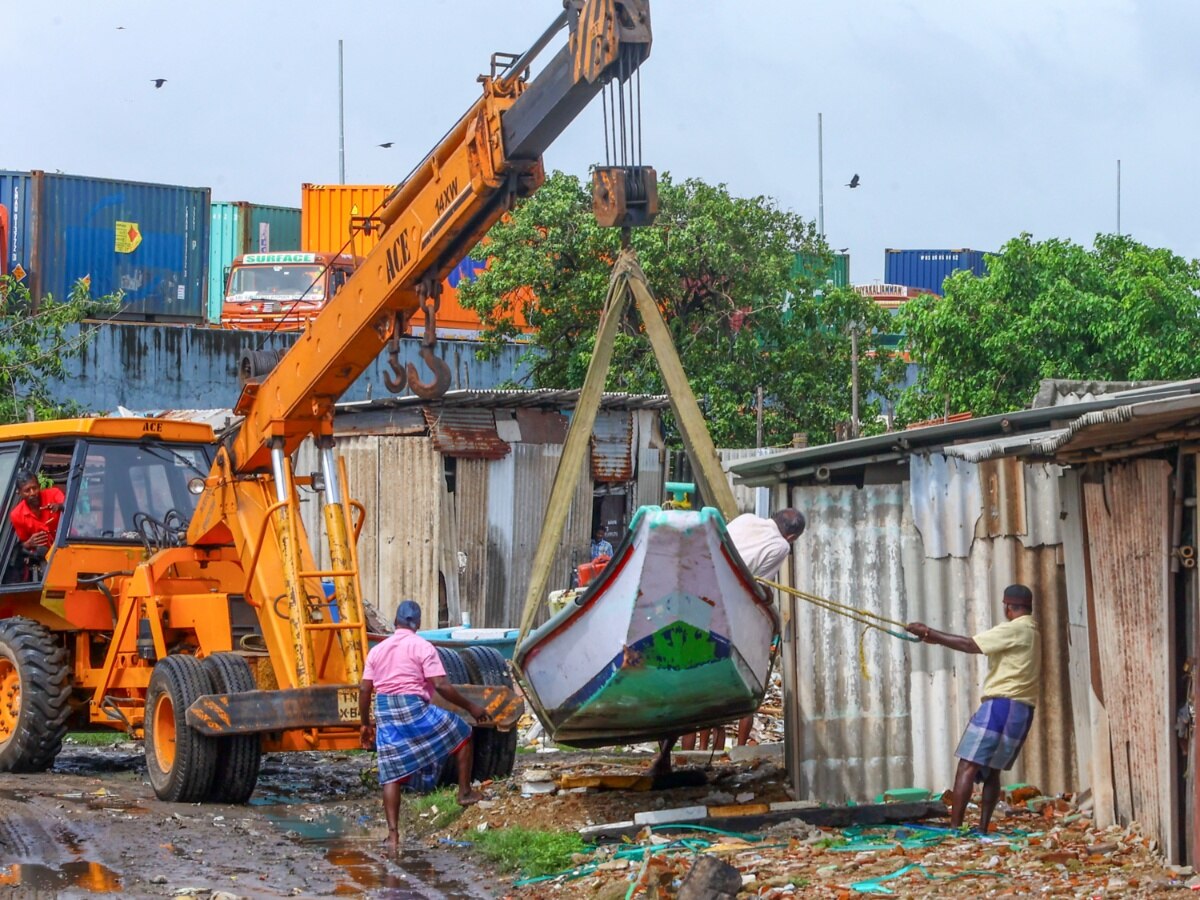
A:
(35, 518)
(411, 735)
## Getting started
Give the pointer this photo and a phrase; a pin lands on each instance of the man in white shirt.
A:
(763, 545)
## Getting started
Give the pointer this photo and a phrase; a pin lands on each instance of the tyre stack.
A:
(495, 752)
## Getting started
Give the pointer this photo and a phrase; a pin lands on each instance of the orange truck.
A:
(281, 291)
(174, 592)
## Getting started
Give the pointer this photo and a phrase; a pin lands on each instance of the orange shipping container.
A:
(326, 214)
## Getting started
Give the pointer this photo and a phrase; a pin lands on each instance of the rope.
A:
(862, 616)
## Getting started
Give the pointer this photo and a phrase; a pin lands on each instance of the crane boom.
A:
(489, 158)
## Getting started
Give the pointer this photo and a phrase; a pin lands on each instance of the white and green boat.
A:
(674, 635)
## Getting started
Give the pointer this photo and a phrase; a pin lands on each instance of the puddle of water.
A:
(324, 827)
(88, 876)
(415, 874)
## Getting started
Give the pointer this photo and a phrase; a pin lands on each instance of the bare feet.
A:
(393, 841)
(470, 798)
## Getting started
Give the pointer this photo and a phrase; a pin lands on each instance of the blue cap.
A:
(408, 614)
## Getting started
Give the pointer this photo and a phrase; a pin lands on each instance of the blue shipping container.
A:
(928, 268)
(239, 227)
(148, 240)
(16, 191)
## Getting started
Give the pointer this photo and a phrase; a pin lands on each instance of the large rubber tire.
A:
(35, 687)
(456, 671)
(179, 760)
(238, 755)
(492, 669)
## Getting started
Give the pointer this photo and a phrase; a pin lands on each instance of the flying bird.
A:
(120, 28)
(158, 82)
(386, 144)
(853, 181)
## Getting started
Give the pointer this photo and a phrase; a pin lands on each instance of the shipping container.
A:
(240, 227)
(928, 268)
(16, 191)
(327, 212)
(834, 267)
(149, 241)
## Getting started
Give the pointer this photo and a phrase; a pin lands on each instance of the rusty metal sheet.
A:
(465, 433)
(612, 447)
(539, 426)
(1128, 533)
(1003, 483)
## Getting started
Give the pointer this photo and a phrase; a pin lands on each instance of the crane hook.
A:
(429, 297)
(398, 384)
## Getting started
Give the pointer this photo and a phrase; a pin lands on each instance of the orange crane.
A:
(176, 595)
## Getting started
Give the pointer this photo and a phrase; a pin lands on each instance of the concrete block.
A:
(750, 753)
(666, 816)
(591, 831)
(742, 809)
(793, 805)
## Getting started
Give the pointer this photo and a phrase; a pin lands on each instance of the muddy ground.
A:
(92, 825)
(314, 826)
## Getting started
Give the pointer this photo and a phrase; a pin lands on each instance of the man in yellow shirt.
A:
(997, 731)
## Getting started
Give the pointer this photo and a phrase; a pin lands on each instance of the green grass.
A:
(96, 738)
(529, 851)
(446, 801)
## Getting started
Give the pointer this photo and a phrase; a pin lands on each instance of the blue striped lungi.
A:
(413, 738)
(995, 734)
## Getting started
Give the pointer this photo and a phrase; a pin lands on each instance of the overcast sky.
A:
(967, 121)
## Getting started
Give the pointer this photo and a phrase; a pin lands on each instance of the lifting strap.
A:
(628, 281)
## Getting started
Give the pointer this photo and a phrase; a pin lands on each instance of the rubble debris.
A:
(710, 879)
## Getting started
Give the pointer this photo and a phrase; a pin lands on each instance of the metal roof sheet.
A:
(540, 397)
(1156, 404)
(465, 433)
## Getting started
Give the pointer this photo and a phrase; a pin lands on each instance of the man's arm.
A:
(959, 642)
(442, 685)
(366, 730)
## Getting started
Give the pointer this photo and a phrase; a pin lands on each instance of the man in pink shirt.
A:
(412, 736)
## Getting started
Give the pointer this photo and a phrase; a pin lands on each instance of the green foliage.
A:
(34, 346)
(96, 738)
(444, 800)
(1120, 311)
(528, 850)
(722, 268)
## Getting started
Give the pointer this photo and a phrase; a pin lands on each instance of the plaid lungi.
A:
(995, 734)
(413, 738)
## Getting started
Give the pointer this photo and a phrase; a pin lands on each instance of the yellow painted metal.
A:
(578, 442)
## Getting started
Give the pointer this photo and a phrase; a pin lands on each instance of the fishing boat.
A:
(674, 635)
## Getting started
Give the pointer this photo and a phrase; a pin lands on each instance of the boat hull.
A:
(673, 636)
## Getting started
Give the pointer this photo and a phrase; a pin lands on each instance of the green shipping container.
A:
(835, 268)
(240, 227)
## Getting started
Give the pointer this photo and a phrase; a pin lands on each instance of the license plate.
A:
(348, 704)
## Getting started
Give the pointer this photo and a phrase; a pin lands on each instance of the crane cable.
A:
(862, 616)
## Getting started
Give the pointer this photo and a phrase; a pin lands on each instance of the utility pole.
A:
(820, 178)
(853, 379)
(341, 121)
(758, 414)
(1118, 198)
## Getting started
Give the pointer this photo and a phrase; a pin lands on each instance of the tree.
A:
(1120, 311)
(34, 346)
(723, 268)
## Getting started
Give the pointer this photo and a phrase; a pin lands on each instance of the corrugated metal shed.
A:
(612, 447)
(876, 712)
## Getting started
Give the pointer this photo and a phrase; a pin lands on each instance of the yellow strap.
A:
(862, 616)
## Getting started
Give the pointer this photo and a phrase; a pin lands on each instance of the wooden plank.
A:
(1130, 546)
